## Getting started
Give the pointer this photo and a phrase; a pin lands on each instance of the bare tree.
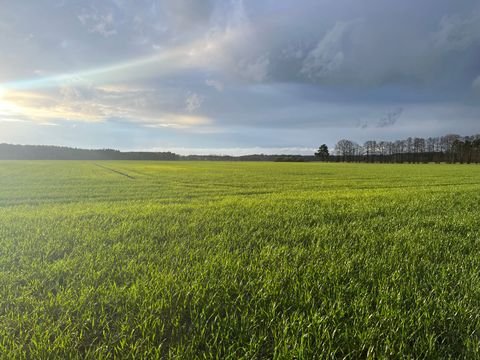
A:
(347, 149)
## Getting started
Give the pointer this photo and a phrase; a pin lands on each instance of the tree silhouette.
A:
(322, 152)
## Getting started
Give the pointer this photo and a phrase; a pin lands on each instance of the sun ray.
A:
(166, 61)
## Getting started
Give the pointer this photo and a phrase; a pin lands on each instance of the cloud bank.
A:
(238, 73)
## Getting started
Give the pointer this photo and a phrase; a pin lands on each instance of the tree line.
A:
(41, 152)
(45, 152)
(450, 148)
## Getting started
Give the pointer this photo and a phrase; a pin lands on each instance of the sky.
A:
(236, 76)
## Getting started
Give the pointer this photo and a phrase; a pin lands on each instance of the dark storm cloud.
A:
(403, 43)
(390, 119)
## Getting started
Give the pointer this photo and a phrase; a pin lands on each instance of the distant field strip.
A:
(229, 260)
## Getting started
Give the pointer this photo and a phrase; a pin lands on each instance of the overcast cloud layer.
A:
(236, 76)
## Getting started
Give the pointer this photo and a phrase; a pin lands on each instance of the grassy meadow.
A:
(217, 260)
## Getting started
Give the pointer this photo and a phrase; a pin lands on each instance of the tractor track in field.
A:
(116, 171)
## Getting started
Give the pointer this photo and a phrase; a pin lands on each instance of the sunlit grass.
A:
(239, 260)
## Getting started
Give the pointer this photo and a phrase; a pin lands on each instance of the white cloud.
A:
(98, 23)
(47, 123)
(76, 93)
(457, 32)
(193, 102)
(293, 52)
(328, 56)
(96, 104)
(12, 120)
(217, 85)
(179, 121)
(256, 70)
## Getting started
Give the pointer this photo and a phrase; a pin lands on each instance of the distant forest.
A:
(449, 149)
(445, 149)
(44, 152)
(41, 152)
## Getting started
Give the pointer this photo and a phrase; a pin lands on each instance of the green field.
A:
(239, 260)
